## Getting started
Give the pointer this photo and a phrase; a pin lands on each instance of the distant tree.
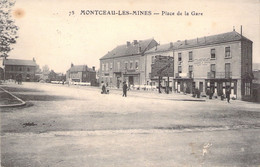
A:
(8, 29)
(52, 76)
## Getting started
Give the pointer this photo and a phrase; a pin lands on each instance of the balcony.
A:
(219, 75)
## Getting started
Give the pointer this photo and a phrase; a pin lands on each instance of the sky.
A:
(53, 37)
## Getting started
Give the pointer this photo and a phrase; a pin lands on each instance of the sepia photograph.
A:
(163, 83)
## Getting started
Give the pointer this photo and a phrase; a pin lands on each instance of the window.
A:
(153, 59)
(179, 56)
(190, 68)
(136, 65)
(111, 65)
(213, 70)
(213, 67)
(213, 54)
(227, 52)
(190, 71)
(126, 64)
(131, 64)
(190, 56)
(106, 66)
(118, 65)
(179, 69)
(227, 70)
(103, 67)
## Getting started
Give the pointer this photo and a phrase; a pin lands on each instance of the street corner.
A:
(9, 100)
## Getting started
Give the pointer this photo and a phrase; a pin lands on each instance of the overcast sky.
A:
(52, 37)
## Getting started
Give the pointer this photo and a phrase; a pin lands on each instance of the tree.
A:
(8, 29)
(52, 76)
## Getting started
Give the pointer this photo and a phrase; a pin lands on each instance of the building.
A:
(125, 63)
(149, 58)
(16, 68)
(256, 86)
(214, 63)
(81, 73)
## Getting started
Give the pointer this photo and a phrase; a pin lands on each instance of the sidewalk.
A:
(7, 99)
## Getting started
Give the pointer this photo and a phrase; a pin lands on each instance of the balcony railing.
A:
(219, 75)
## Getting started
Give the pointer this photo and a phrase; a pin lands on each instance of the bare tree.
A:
(8, 29)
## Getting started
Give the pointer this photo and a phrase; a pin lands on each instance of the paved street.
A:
(65, 125)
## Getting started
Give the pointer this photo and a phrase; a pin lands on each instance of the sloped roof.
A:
(79, 68)
(161, 48)
(19, 62)
(208, 40)
(132, 49)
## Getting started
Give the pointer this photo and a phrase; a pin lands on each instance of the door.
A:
(131, 80)
(201, 86)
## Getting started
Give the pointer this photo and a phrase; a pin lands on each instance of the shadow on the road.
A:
(14, 89)
(33, 97)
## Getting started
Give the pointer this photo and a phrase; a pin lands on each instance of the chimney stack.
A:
(234, 28)
(128, 43)
(71, 65)
(135, 42)
(186, 42)
(197, 40)
(34, 60)
(93, 68)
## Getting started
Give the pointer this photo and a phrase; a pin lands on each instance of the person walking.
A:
(103, 87)
(228, 95)
(124, 89)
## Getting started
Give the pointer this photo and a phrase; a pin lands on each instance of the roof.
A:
(19, 62)
(79, 68)
(132, 49)
(209, 40)
(161, 48)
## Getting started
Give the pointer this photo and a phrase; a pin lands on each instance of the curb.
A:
(13, 105)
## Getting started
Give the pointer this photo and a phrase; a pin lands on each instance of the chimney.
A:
(135, 42)
(93, 68)
(234, 28)
(71, 65)
(205, 39)
(241, 30)
(185, 41)
(128, 43)
(34, 60)
(197, 40)
(139, 49)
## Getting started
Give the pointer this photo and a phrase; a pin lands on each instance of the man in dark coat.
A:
(124, 89)
(228, 95)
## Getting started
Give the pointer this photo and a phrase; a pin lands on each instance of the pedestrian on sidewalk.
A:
(228, 94)
(124, 89)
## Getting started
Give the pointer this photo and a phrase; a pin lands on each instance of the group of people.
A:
(104, 89)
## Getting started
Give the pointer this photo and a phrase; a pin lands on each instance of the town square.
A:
(129, 83)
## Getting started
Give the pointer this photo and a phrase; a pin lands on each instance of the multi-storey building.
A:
(81, 73)
(22, 69)
(214, 63)
(125, 63)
